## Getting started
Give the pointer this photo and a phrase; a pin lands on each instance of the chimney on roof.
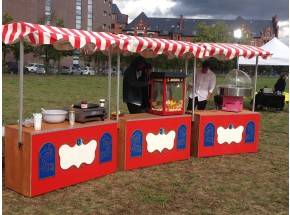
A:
(181, 23)
(275, 25)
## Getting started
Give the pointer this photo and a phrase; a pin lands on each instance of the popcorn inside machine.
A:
(167, 92)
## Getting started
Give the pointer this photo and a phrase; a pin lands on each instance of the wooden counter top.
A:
(220, 112)
(48, 127)
(144, 116)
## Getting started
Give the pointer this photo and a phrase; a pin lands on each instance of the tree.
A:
(6, 19)
(48, 52)
(217, 33)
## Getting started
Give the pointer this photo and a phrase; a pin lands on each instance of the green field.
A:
(238, 184)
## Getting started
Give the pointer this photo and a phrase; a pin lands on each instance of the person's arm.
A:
(212, 84)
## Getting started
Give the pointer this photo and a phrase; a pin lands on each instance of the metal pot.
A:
(234, 91)
(54, 116)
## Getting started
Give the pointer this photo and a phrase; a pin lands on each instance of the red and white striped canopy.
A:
(61, 38)
(150, 47)
(68, 39)
(227, 51)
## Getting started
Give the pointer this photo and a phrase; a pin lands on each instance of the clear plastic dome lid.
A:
(238, 78)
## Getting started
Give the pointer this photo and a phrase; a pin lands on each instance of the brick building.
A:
(81, 14)
(119, 20)
(95, 15)
(258, 31)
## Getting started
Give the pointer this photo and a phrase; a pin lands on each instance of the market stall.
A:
(231, 130)
(58, 153)
(163, 134)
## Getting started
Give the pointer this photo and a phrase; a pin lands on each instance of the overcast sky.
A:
(224, 9)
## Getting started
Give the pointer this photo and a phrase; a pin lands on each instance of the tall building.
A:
(257, 31)
(93, 15)
(119, 20)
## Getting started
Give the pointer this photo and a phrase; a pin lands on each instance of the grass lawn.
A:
(237, 184)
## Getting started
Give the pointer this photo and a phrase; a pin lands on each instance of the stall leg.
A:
(255, 84)
(21, 50)
(109, 84)
(185, 88)
(118, 86)
(193, 87)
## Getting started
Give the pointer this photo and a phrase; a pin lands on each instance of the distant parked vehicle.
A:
(52, 69)
(87, 71)
(65, 70)
(76, 69)
(32, 67)
(40, 69)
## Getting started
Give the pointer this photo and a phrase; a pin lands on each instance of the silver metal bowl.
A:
(234, 91)
(54, 116)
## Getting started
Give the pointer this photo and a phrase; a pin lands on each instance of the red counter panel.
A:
(62, 157)
(148, 140)
(221, 133)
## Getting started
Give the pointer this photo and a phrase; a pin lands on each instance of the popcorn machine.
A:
(167, 92)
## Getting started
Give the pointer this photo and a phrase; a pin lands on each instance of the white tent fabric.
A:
(279, 51)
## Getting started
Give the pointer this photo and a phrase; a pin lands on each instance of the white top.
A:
(204, 84)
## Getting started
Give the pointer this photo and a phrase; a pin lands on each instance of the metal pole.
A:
(21, 50)
(255, 84)
(193, 87)
(118, 85)
(109, 84)
(238, 65)
(186, 66)
(186, 71)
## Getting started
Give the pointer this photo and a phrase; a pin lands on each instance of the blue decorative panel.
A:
(46, 163)
(181, 137)
(209, 132)
(250, 132)
(106, 148)
(136, 144)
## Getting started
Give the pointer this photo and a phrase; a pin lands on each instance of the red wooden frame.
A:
(225, 120)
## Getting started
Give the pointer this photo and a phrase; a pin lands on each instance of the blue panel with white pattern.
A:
(250, 132)
(209, 132)
(46, 162)
(106, 148)
(136, 144)
(181, 137)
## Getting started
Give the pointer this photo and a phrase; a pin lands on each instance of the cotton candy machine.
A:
(167, 93)
(237, 85)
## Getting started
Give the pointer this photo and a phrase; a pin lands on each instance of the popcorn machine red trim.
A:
(167, 92)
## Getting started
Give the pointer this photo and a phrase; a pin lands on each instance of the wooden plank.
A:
(48, 127)
(195, 136)
(220, 112)
(17, 162)
(121, 143)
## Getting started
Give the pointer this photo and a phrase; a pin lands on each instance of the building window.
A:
(47, 11)
(105, 13)
(78, 14)
(104, 26)
(90, 15)
(105, 1)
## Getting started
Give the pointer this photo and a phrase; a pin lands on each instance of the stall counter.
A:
(148, 140)
(59, 155)
(217, 132)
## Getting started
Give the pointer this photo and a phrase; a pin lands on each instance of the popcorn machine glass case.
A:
(167, 93)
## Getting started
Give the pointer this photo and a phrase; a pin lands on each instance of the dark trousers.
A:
(200, 104)
(135, 108)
